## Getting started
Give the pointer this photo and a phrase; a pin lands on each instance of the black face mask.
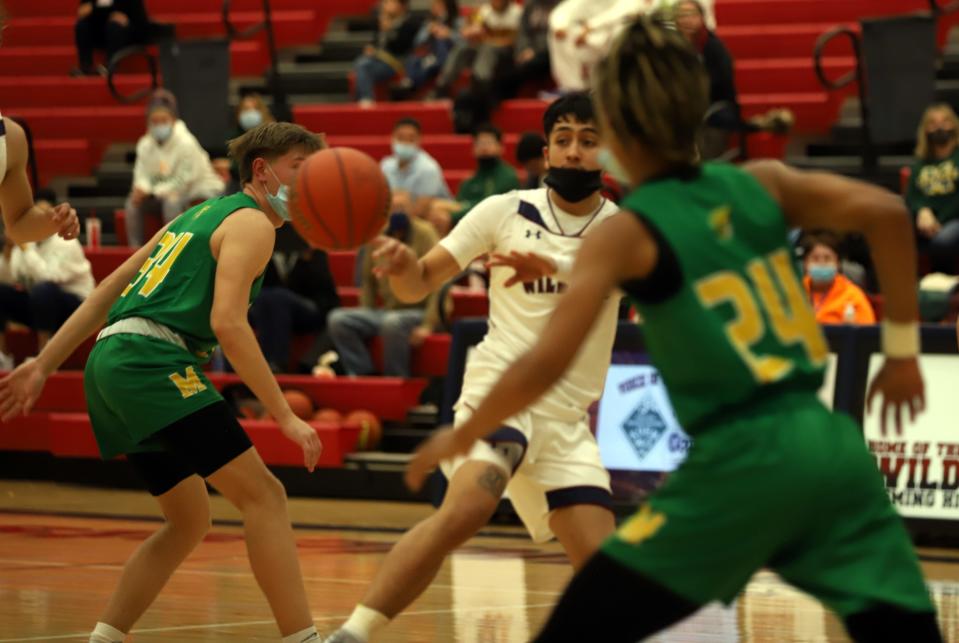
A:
(940, 136)
(572, 184)
(487, 162)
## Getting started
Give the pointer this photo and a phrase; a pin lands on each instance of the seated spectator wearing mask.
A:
(396, 30)
(250, 112)
(531, 155)
(41, 284)
(411, 169)
(931, 195)
(171, 171)
(493, 176)
(835, 299)
(380, 313)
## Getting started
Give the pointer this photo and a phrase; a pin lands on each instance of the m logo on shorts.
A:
(641, 526)
(189, 384)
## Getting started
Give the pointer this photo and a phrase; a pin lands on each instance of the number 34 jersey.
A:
(175, 285)
(736, 324)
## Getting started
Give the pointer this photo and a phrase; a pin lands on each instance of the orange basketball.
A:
(340, 199)
(371, 431)
(328, 415)
(300, 403)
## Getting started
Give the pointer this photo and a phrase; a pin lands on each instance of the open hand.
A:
(900, 383)
(298, 431)
(527, 266)
(392, 257)
(20, 389)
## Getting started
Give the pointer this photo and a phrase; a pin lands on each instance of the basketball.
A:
(328, 415)
(340, 199)
(300, 403)
(371, 431)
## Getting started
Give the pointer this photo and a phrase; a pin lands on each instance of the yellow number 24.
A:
(791, 318)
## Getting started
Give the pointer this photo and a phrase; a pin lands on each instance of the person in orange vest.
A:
(835, 298)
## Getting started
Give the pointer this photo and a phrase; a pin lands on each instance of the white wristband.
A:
(900, 340)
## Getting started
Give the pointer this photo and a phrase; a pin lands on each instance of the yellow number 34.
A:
(793, 323)
(157, 267)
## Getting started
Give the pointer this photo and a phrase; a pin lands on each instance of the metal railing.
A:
(119, 59)
(280, 104)
(870, 159)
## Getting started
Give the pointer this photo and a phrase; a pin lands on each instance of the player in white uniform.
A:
(545, 457)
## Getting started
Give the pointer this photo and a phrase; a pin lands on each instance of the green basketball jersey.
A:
(736, 325)
(175, 285)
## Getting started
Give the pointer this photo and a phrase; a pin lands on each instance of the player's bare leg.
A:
(186, 508)
(472, 497)
(581, 529)
(261, 498)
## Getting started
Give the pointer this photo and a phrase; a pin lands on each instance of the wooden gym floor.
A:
(61, 552)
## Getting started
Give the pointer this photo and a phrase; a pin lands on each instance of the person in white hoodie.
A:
(172, 170)
(41, 284)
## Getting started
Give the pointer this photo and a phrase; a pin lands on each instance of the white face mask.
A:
(609, 163)
(161, 132)
(279, 201)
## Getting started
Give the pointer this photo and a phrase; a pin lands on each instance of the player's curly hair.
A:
(270, 141)
(652, 87)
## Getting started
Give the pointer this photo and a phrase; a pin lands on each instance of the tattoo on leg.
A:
(493, 480)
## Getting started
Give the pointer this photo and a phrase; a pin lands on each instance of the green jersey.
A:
(175, 285)
(726, 318)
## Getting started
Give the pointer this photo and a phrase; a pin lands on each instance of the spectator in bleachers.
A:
(108, 25)
(932, 196)
(401, 326)
(529, 154)
(396, 30)
(835, 299)
(171, 171)
(493, 176)
(251, 111)
(41, 284)
(488, 42)
(531, 52)
(298, 293)
(436, 39)
(412, 170)
(691, 20)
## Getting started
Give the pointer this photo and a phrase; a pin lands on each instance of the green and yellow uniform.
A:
(145, 372)
(773, 477)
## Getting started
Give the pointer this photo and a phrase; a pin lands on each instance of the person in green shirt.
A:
(932, 194)
(165, 309)
(773, 478)
(493, 176)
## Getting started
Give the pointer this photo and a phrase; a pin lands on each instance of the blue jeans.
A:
(943, 249)
(420, 69)
(43, 307)
(351, 328)
(369, 71)
(276, 315)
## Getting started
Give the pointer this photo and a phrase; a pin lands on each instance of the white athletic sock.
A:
(303, 636)
(364, 621)
(104, 633)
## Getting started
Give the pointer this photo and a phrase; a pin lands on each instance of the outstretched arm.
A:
(24, 221)
(618, 250)
(812, 200)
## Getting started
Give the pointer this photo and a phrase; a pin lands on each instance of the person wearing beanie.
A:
(171, 171)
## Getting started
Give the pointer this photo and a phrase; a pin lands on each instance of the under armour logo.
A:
(538, 234)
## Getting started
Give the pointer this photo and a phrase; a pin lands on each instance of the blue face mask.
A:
(161, 132)
(279, 201)
(250, 118)
(822, 273)
(608, 161)
(404, 151)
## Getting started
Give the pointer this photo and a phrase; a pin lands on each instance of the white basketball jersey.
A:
(526, 221)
